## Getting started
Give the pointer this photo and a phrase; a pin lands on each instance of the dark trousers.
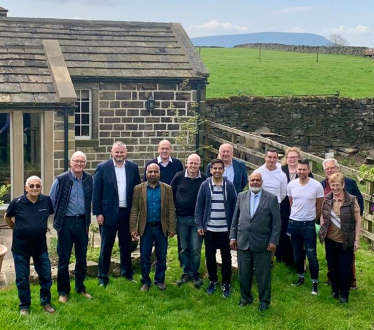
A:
(73, 232)
(108, 235)
(153, 234)
(284, 252)
(258, 263)
(42, 268)
(221, 241)
(339, 262)
(304, 241)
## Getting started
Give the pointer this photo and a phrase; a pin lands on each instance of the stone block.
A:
(129, 86)
(184, 96)
(106, 113)
(167, 87)
(164, 96)
(123, 95)
(120, 113)
(105, 127)
(107, 96)
(137, 120)
(115, 104)
(110, 86)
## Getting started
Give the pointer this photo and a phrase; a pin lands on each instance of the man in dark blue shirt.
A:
(153, 219)
(30, 213)
(71, 195)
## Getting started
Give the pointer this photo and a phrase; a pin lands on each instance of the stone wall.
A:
(313, 123)
(122, 116)
(341, 50)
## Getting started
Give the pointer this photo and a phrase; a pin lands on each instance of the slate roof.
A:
(95, 49)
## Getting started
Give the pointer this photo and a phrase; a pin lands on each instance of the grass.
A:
(235, 71)
(122, 306)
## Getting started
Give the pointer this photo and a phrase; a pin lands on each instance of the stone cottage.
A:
(69, 85)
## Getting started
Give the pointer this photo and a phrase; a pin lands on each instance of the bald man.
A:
(71, 195)
(235, 170)
(258, 217)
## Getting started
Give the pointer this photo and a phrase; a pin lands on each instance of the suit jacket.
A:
(351, 188)
(105, 191)
(240, 174)
(263, 228)
(138, 217)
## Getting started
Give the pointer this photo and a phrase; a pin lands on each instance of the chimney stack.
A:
(3, 12)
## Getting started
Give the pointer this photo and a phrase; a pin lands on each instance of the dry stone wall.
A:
(314, 123)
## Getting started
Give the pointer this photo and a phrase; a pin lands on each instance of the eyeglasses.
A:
(78, 161)
(32, 186)
(336, 185)
(293, 157)
(329, 168)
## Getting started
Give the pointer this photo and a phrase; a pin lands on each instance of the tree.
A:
(338, 41)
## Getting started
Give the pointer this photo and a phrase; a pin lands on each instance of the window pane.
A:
(85, 107)
(85, 131)
(85, 119)
(77, 119)
(32, 144)
(5, 153)
(85, 95)
(77, 131)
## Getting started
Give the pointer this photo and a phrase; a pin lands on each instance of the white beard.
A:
(255, 189)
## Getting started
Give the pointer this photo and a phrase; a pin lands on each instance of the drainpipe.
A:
(198, 110)
(66, 139)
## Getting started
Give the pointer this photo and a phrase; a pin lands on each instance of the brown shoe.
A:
(24, 312)
(63, 299)
(161, 286)
(144, 288)
(85, 294)
(49, 309)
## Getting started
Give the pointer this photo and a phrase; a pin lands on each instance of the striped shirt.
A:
(217, 221)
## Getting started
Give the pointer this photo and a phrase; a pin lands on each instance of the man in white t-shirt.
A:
(306, 197)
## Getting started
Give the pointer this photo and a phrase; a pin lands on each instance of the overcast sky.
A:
(353, 19)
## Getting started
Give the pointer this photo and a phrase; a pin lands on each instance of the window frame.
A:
(79, 91)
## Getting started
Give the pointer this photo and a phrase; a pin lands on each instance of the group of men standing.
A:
(198, 207)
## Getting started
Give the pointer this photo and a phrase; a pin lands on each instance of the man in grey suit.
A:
(254, 234)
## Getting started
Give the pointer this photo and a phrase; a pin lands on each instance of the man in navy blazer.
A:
(113, 189)
(235, 170)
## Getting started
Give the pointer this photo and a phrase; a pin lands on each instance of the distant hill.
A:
(286, 38)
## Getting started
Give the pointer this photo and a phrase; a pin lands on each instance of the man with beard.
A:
(258, 218)
(153, 219)
(306, 197)
(113, 188)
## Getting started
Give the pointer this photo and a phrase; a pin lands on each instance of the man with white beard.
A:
(258, 217)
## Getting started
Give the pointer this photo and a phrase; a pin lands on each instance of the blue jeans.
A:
(153, 234)
(43, 269)
(191, 243)
(304, 240)
(73, 231)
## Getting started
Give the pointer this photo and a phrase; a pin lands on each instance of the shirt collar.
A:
(186, 175)
(159, 160)
(115, 165)
(213, 184)
(157, 185)
(259, 194)
(72, 176)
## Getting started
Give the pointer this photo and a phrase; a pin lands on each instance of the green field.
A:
(122, 306)
(236, 71)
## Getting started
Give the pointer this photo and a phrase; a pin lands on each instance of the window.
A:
(83, 115)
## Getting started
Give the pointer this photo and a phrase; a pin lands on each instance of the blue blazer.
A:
(105, 191)
(240, 175)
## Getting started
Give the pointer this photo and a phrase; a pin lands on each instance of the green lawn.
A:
(235, 71)
(122, 306)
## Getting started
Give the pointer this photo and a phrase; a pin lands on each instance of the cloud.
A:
(292, 10)
(296, 29)
(216, 27)
(359, 29)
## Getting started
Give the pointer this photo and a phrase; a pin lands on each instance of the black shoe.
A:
(243, 303)
(103, 284)
(343, 301)
(335, 295)
(226, 290)
(211, 288)
(197, 282)
(315, 288)
(263, 307)
(184, 279)
(130, 279)
(299, 282)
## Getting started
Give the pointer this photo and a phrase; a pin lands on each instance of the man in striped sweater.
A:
(213, 213)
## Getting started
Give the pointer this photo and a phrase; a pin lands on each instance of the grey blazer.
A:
(263, 228)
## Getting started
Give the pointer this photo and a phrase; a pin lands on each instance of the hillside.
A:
(286, 38)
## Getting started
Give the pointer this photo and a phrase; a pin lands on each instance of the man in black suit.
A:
(255, 231)
(113, 188)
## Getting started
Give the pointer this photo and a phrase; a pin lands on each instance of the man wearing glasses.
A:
(31, 212)
(71, 195)
(331, 166)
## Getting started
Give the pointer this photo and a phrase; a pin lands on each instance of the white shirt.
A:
(304, 199)
(159, 161)
(121, 183)
(229, 172)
